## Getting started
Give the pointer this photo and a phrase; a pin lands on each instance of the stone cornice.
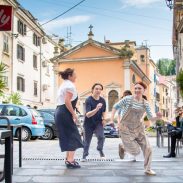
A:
(87, 42)
(88, 59)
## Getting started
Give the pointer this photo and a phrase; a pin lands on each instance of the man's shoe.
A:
(150, 172)
(102, 155)
(170, 155)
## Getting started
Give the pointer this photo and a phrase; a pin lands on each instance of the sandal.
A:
(72, 165)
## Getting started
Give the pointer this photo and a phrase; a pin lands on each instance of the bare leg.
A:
(70, 156)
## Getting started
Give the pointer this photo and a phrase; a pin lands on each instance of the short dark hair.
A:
(142, 84)
(126, 93)
(66, 73)
(96, 85)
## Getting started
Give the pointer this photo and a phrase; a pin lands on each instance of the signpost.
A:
(5, 18)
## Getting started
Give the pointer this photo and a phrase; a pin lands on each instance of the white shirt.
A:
(66, 86)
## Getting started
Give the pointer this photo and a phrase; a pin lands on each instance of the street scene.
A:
(91, 91)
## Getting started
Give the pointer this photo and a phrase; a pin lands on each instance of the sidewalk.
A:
(46, 165)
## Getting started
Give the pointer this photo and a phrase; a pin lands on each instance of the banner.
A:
(5, 18)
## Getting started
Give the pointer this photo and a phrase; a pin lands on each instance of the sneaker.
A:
(102, 155)
(150, 172)
(84, 158)
(121, 151)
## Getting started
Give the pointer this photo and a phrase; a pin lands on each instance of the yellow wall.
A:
(90, 51)
(89, 73)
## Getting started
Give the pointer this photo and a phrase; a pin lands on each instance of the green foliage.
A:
(179, 80)
(3, 69)
(150, 129)
(160, 122)
(125, 52)
(167, 67)
(14, 98)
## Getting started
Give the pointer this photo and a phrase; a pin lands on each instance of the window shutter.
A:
(18, 26)
(17, 51)
(23, 54)
(18, 83)
(23, 84)
(25, 29)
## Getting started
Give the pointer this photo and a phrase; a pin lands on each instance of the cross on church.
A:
(90, 27)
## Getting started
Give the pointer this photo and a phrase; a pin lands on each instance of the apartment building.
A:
(29, 51)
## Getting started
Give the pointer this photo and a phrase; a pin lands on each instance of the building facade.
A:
(177, 41)
(28, 58)
(100, 62)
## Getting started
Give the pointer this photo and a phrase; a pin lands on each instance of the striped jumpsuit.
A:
(132, 130)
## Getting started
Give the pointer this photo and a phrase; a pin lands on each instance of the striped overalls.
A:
(133, 135)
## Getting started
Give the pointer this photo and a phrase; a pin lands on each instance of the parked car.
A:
(30, 119)
(110, 131)
(50, 111)
(49, 122)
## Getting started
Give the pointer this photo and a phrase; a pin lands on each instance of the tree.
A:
(167, 67)
(14, 98)
(3, 69)
(126, 52)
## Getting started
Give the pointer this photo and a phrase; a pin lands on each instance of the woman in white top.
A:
(132, 130)
(65, 118)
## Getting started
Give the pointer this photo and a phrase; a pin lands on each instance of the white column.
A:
(127, 77)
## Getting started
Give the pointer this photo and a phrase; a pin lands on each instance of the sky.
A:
(144, 21)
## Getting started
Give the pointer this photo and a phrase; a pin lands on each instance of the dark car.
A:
(49, 122)
(50, 111)
(110, 131)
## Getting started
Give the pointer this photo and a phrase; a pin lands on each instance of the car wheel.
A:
(48, 135)
(26, 134)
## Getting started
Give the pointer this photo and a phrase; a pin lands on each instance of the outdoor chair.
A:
(2, 142)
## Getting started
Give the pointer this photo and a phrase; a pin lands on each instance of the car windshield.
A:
(35, 113)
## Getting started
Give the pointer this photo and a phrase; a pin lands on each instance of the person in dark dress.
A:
(66, 119)
(94, 120)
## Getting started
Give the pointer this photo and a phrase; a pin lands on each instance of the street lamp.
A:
(174, 4)
(169, 3)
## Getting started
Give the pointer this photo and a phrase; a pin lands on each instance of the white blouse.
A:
(66, 86)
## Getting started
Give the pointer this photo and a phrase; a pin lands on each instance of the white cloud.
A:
(59, 23)
(138, 3)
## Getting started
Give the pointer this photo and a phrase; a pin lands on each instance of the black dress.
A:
(68, 134)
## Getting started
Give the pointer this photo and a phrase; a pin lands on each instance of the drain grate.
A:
(62, 159)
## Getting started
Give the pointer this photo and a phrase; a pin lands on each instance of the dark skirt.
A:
(68, 134)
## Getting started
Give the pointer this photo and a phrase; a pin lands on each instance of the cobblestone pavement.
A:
(43, 163)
